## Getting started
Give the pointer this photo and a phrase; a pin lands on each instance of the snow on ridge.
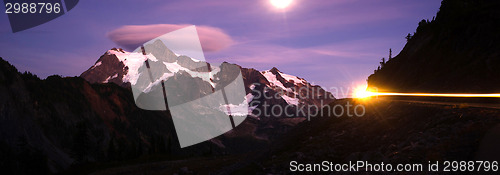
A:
(295, 79)
(134, 60)
(272, 79)
(96, 64)
(158, 81)
(205, 76)
(122, 56)
(110, 77)
(195, 60)
(275, 82)
(290, 100)
(252, 86)
(242, 109)
(175, 68)
(215, 70)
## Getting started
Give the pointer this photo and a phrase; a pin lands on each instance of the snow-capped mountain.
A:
(270, 87)
(276, 101)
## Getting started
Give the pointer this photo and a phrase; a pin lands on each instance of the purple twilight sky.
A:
(332, 43)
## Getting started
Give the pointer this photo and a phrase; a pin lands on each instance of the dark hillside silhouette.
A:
(458, 51)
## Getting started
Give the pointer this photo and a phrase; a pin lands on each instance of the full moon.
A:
(281, 4)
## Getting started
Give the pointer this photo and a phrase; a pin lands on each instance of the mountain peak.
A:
(274, 70)
(118, 49)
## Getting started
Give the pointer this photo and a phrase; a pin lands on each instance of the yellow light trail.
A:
(362, 92)
(431, 94)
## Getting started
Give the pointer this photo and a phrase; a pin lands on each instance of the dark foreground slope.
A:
(50, 125)
(58, 123)
(390, 132)
(459, 52)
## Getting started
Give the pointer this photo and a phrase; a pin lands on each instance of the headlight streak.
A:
(371, 94)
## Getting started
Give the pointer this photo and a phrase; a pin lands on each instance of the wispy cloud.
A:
(131, 36)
